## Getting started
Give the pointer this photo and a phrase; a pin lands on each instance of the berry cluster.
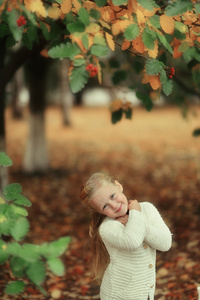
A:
(92, 70)
(21, 21)
(171, 74)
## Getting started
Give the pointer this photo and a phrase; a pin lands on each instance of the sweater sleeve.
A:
(157, 234)
(129, 237)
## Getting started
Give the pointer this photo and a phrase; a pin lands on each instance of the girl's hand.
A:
(123, 219)
(134, 204)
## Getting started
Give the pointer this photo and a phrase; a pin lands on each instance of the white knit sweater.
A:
(130, 274)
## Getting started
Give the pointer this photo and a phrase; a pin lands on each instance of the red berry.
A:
(21, 21)
(170, 76)
(92, 74)
(9, 9)
(95, 69)
(90, 67)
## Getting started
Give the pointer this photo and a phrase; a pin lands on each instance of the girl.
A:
(124, 237)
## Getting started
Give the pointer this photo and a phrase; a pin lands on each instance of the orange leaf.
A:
(125, 45)
(66, 6)
(44, 53)
(99, 74)
(154, 81)
(78, 41)
(76, 4)
(145, 79)
(109, 39)
(138, 44)
(116, 105)
(153, 53)
(167, 24)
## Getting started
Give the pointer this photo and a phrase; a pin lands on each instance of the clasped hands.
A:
(132, 204)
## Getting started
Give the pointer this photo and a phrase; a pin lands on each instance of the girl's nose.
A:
(113, 204)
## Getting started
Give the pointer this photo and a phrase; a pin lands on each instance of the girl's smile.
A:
(109, 200)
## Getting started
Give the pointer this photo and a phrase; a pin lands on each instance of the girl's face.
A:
(109, 200)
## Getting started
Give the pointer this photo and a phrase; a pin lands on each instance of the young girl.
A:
(124, 237)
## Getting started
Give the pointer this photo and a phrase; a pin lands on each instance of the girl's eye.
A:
(112, 196)
(105, 206)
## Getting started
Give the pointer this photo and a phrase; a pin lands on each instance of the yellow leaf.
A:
(167, 24)
(140, 17)
(154, 81)
(66, 6)
(76, 4)
(138, 44)
(93, 28)
(109, 39)
(35, 6)
(153, 53)
(125, 45)
(104, 24)
(54, 11)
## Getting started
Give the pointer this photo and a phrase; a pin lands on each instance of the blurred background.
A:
(57, 139)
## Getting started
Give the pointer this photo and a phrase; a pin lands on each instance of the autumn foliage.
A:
(85, 31)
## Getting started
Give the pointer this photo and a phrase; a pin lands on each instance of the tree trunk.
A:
(66, 96)
(36, 158)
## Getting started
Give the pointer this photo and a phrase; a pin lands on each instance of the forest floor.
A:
(156, 159)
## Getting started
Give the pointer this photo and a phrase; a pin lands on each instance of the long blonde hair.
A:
(100, 257)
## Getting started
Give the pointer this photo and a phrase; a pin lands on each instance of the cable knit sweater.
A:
(130, 274)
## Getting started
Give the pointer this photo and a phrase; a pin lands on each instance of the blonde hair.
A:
(100, 257)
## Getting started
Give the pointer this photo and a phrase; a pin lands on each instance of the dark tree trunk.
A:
(36, 158)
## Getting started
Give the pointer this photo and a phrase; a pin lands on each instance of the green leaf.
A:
(67, 50)
(84, 16)
(36, 272)
(147, 4)
(15, 287)
(13, 248)
(99, 40)
(155, 21)
(196, 132)
(178, 7)
(196, 76)
(148, 38)
(20, 228)
(94, 13)
(30, 253)
(163, 76)
(3, 253)
(79, 62)
(184, 46)
(19, 210)
(131, 32)
(4, 30)
(12, 22)
(154, 66)
(44, 30)
(188, 55)
(146, 100)
(56, 266)
(128, 113)
(164, 42)
(21, 200)
(11, 191)
(119, 2)
(5, 160)
(119, 76)
(99, 50)
(197, 8)
(18, 266)
(100, 3)
(167, 87)
(85, 40)
(27, 42)
(76, 27)
(78, 78)
(116, 116)
(58, 247)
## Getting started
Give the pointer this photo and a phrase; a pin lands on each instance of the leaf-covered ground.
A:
(156, 159)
